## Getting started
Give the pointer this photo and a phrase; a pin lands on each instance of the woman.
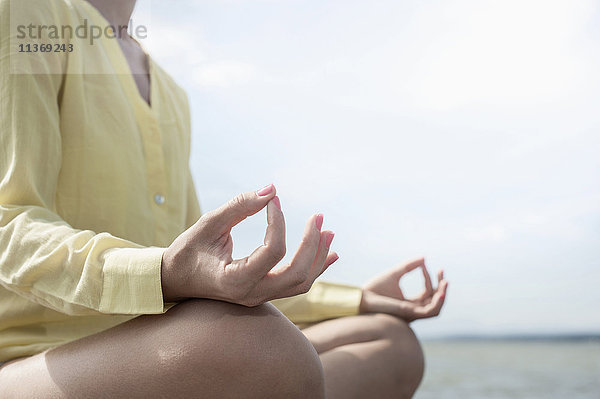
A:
(114, 285)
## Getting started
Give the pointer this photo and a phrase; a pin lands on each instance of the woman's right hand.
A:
(199, 263)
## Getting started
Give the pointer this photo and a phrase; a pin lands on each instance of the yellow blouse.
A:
(94, 184)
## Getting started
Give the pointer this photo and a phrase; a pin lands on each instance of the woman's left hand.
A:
(384, 295)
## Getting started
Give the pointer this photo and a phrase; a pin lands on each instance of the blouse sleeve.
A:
(323, 301)
(42, 258)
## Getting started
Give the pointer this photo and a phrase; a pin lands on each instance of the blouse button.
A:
(159, 199)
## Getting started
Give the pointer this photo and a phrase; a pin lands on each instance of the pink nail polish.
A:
(319, 221)
(329, 239)
(276, 202)
(265, 190)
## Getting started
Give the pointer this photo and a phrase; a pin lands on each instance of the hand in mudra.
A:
(199, 263)
(384, 295)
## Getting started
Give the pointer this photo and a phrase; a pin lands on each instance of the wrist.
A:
(364, 302)
(166, 277)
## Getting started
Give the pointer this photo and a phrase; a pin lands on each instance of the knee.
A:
(406, 358)
(258, 349)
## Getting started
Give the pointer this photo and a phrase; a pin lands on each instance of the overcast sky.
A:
(465, 131)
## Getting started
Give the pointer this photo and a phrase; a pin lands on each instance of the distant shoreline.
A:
(593, 337)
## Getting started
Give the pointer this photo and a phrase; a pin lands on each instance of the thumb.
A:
(241, 207)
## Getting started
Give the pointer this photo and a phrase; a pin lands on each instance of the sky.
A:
(465, 131)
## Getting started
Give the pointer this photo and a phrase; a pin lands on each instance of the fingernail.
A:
(329, 239)
(265, 190)
(276, 202)
(335, 259)
(319, 221)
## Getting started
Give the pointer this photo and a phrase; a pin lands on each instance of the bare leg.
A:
(369, 356)
(199, 348)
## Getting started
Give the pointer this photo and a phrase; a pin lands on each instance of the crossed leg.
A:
(211, 349)
(368, 356)
(198, 349)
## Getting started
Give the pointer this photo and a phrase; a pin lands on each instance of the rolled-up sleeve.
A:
(324, 301)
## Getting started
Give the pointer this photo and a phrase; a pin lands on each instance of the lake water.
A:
(511, 369)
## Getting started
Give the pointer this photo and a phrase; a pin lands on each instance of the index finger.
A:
(427, 277)
(239, 208)
(265, 257)
(281, 281)
(404, 268)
